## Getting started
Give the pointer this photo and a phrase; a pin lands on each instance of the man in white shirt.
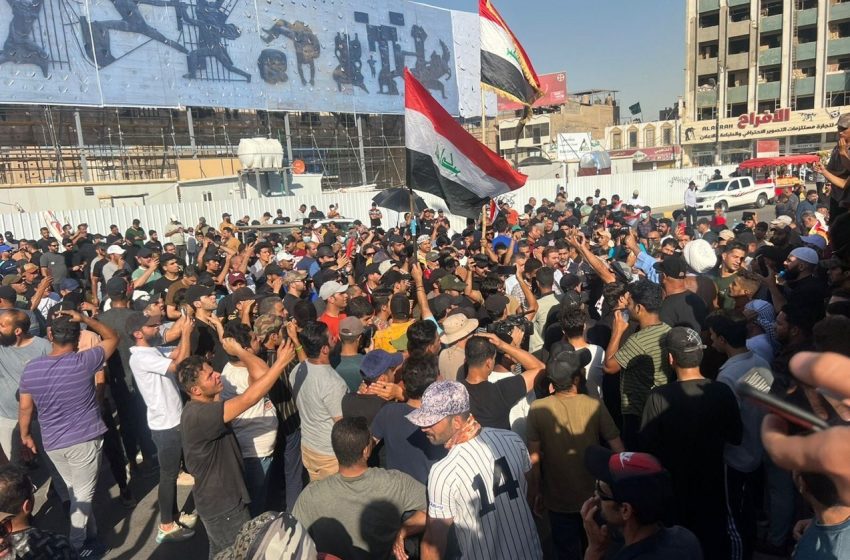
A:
(154, 374)
(636, 201)
(691, 204)
(479, 487)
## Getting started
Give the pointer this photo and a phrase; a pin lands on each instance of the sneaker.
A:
(177, 533)
(188, 520)
(127, 499)
(93, 550)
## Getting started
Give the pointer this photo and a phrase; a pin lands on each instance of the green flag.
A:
(635, 109)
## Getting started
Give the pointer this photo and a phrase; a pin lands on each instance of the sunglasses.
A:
(602, 495)
(369, 254)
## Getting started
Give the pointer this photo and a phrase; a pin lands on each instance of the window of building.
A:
(707, 80)
(633, 138)
(837, 98)
(666, 135)
(770, 41)
(707, 113)
(739, 46)
(807, 35)
(770, 74)
(649, 137)
(738, 78)
(804, 70)
(771, 8)
(507, 134)
(807, 4)
(769, 105)
(709, 19)
(839, 30)
(616, 140)
(708, 49)
(736, 109)
(803, 103)
(836, 64)
(739, 13)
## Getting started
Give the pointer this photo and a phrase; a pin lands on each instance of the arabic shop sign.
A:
(783, 122)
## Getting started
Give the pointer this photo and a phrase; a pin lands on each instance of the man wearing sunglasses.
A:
(633, 492)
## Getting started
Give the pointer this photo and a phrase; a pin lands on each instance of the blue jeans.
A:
(257, 481)
(568, 536)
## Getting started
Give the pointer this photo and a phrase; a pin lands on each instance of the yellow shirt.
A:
(384, 337)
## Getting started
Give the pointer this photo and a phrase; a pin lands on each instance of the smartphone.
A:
(755, 386)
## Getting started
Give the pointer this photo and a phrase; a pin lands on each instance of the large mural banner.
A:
(313, 55)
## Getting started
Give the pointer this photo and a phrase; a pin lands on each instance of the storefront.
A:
(647, 159)
(798, 132)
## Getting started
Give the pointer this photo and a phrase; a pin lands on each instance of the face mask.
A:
(644, 216)
(308, 238)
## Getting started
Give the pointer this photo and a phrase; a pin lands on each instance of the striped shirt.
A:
(643, 366)
(481, 486)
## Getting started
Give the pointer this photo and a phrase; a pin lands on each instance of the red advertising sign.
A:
(767, 148)
(554, 88)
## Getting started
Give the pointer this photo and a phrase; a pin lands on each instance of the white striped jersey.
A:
(481, 485)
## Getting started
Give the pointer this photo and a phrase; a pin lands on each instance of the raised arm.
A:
(265, 376)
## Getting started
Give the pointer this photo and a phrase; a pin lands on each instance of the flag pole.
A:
(483, 118)
(484, 225)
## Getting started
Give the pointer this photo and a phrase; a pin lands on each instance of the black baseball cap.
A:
(195, 293)
(273, 268)
(496, 304)
(673, 266)
(682, 340)
(325, 251)
(563, 366)
(116, 287)
(481, 261)
(393, 276)
(400, 306)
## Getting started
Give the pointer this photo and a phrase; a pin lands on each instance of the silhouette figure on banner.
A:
(429, 72)
(307, 46)
(97, 44)
(210, 19)
(18, 47)
(349, 71)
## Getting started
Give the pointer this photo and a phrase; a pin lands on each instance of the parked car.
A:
(734, 192)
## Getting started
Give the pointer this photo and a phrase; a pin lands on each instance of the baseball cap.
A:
(441, 399)
(5, 248)
(516, 228)
(673, 266)
(195, 293)
(699, 255)
(144, 252)
(805, 254)
(8, 293)
(400, 306)
(324, 251)
(10, 279)
(816, 240)
(684, 339)
(115, 250)
(243, 294)
(726, 234)
(748, 216)
(481, 261)
(422, 239)
(452, 282)
(69, 284)
(374, 268)
(116, 287)
(330, 288)
(456, 327)
(351, 327)
(377, 362)
(563, 366)
(440, 303)
(267, 324)
(843, 121)
(395, 239)
(225, 215)
(138, 319)
(432, 256)
(496, 304)
(635, 478)
(235, 277)
(284, 256)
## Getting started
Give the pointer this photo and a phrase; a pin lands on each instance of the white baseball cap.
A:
(284, 256)
(330, 288)
(115, 250)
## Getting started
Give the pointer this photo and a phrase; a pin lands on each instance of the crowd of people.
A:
(560, 380)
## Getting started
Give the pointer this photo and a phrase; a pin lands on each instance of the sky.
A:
(634, 46)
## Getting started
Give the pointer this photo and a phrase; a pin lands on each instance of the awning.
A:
(796, 159)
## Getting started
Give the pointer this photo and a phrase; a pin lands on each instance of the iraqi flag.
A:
(447, 161)
(504, 65)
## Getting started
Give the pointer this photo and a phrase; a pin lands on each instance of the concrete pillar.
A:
(362, 149)
(84, 164)
(191, 132)
(820, 56)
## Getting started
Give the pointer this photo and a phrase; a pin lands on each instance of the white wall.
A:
(657, 189)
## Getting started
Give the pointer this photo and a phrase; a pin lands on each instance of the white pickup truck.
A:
(734, 192)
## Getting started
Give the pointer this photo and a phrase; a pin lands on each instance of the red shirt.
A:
(333, 325)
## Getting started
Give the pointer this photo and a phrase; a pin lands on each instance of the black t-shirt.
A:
(406, 446)
(366, 406)
(686, 425)
(684, 310)
(43, 244)
(97, 269)
(205, 343)
(113, 237)
(491, 403)
(212, 456)
(669, 543)
(161, 286)
(289, 302)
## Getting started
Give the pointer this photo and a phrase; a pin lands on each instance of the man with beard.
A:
(155, 377)
(731, 261)
(801, 285)
(17, 348)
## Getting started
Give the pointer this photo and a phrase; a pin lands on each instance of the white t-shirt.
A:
(256, 428)
(158, 388)
(594, 370)
(481, 486)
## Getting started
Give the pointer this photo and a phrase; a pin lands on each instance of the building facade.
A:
(649, 145)
(763, 70)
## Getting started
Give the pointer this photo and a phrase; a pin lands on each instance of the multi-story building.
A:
(764, 70)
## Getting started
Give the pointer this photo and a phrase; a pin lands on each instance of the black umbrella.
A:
(398, 200)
